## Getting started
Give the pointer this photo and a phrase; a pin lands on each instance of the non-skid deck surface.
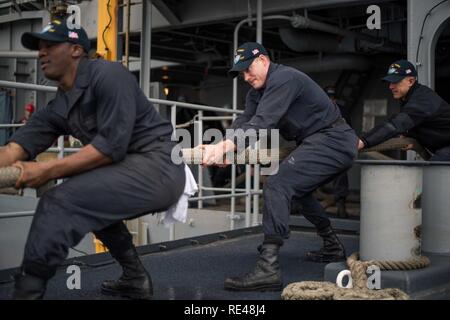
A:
(197, 272)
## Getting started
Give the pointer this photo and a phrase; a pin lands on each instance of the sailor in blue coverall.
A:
(123, 171)
(286, 99)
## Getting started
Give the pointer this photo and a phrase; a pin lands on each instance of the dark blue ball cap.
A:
(244, 56)
(57, 31)
(399, 70)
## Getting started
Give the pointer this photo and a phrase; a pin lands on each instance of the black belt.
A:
(339, 122)
(148, 146)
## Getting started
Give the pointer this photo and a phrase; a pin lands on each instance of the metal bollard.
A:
(390, 213)
(436, 208)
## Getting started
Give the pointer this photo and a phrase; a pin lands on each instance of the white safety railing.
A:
(199, 119)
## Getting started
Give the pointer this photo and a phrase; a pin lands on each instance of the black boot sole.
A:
(262, 288)
(129, 295)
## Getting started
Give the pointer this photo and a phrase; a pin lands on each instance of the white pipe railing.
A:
(199, 167)
(19, 54)
(18, 214)
(217, 118)
(173, 120)
(30, 86)
(248, 192)
(27, 86)
(222, 189)
(224, 196)
(11, 125)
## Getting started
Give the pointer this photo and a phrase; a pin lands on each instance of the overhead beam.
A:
(24, 16)
(197, 12)
(166, 12)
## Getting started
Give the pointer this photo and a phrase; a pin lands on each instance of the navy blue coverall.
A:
(424, 116)
(293, 103)
(106, 109)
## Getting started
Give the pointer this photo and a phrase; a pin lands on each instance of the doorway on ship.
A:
(442, 62)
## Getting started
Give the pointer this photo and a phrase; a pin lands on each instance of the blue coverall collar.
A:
(81, 82)
(410, 92)
(272, 67)
(82, 79)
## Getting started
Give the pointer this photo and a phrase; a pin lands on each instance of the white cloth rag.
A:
(178, 211)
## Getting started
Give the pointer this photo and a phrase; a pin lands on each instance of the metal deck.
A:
(193, 269)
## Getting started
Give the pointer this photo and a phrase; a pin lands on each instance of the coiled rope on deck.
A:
(316, 290)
